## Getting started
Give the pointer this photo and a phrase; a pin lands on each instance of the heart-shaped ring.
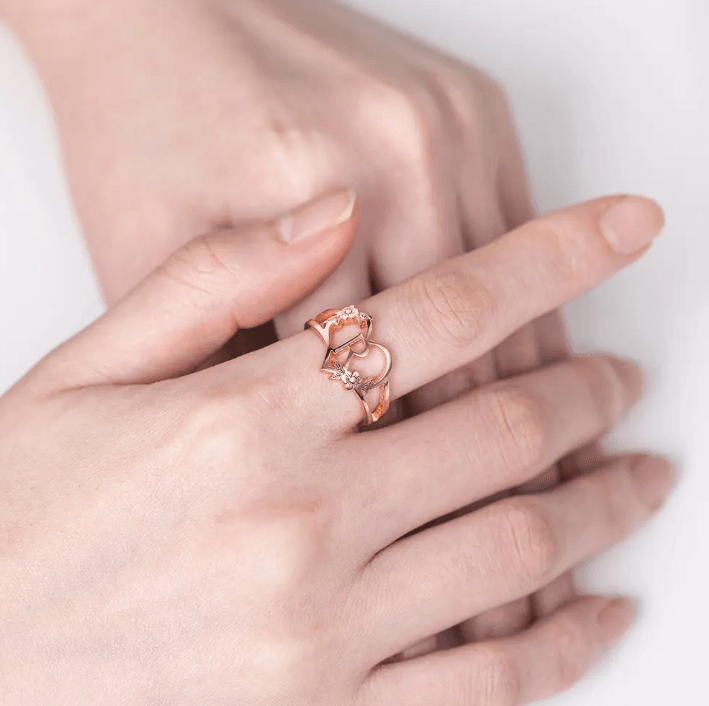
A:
(338, 358)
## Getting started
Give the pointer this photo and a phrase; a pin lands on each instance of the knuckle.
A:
(460, 97)
(406, 117)
(226, 421)
(455, 307)
(520, 425)
(311, 518)
(529, 542)
(197, 266)
(297, 529)
(497, 681)
(253, 392)
(216, 436)
(283, 536)
(198, 257)
(476, 100)
(487, 110)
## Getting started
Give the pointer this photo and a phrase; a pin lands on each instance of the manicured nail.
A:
(632, 224)
(653, 479)
(616, 617)
(318, 216)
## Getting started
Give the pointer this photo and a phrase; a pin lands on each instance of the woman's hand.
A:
(222, 536)
(180, 116)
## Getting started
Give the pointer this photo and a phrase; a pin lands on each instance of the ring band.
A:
(339, 357)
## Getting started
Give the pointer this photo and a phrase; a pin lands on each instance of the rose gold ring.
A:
(339, 357)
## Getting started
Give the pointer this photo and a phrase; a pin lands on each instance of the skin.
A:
(167, 542)
(180, 117)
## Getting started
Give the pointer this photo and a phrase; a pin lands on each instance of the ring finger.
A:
(439, 321)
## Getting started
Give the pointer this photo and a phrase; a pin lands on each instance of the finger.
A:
(443, 319)
(496, 438)
(193, 304)
(543, 661)
(506, 550)
(462, 309)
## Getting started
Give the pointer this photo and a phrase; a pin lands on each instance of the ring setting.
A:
(340, 356)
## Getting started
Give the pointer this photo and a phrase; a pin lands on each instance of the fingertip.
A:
(632, 223)
(653, 477)
(653, 212)
(648, 211)
(615, 616)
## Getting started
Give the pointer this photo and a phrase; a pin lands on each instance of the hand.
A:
(221, 536)
(178, 117)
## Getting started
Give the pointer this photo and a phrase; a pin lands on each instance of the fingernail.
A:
(318, 216)
(632, 224)
(632, 379)
(616, 617)
(653, 479)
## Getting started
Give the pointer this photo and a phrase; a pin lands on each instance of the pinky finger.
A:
(542, 661)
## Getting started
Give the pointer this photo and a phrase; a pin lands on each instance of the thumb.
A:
(195, 302)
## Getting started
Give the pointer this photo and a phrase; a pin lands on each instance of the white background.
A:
(611, 95)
